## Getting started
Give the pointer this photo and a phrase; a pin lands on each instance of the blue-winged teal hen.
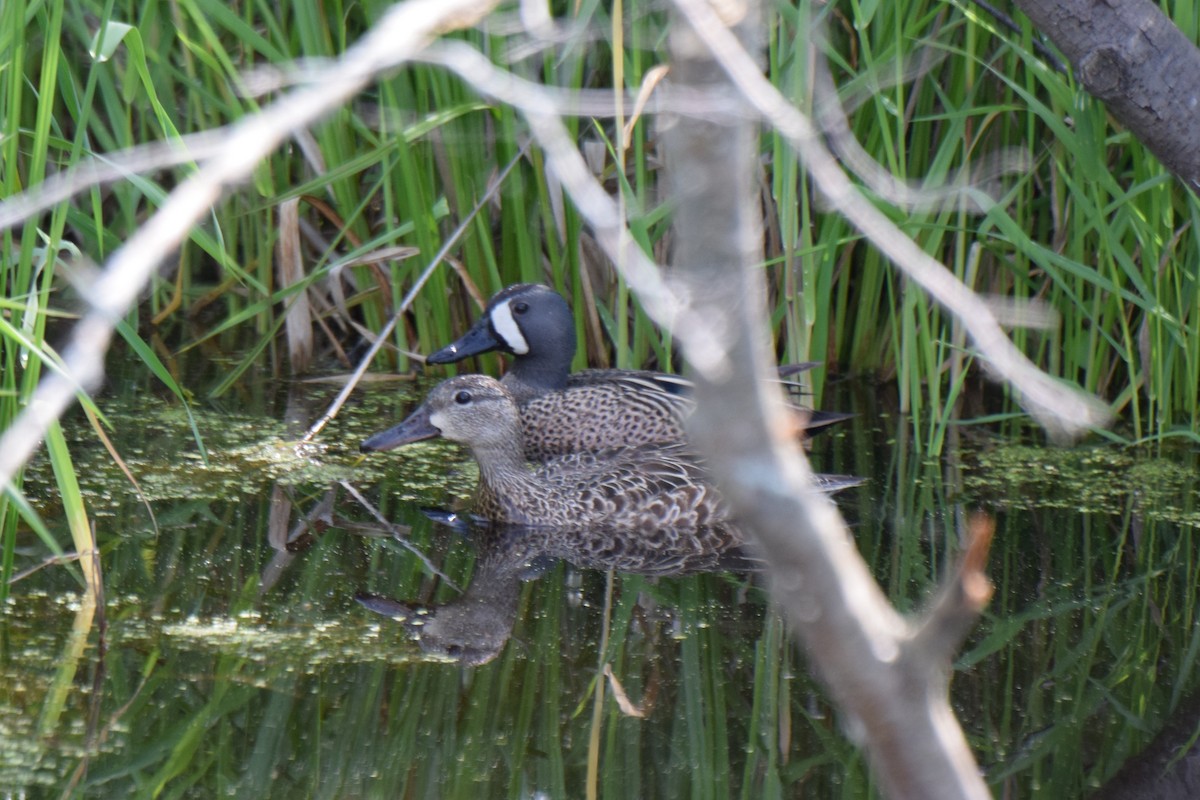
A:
(647, 487)
(474, 627)
(565, 412)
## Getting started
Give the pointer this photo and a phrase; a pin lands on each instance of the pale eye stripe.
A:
(510, 332)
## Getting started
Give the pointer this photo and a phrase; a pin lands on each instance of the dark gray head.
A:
(530, 321)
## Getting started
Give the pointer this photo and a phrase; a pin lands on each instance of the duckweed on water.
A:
(431, 472)
(247, 453)
(1083, 479)
(305, 647)
(252, 683)
(27, 756)
(263, 648)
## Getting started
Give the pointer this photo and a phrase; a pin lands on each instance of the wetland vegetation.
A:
(228, 655)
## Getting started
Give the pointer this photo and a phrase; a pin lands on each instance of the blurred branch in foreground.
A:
(888, 674)
(404, 30)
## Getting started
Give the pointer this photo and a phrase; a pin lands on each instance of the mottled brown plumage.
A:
(612, 412)
(637, 487)
(565, 412)
(649, 487)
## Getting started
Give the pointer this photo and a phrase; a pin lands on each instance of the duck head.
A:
(474, 410)
(528, 320)
(469, 630)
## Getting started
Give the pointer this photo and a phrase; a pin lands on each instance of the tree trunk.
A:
(1128, 54)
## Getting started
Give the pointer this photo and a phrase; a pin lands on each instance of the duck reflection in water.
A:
(647, 509)
(474, 628)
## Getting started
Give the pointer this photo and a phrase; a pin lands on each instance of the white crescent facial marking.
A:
(510, 332)
(437, 420)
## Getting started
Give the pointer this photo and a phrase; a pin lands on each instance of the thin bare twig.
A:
(105, 168)
(396, 536)
(387, 329)
(970, 188)
(109, 168)
(964, 595)
(1064, 410)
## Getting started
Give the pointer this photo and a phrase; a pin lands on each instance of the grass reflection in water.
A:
(212, 685)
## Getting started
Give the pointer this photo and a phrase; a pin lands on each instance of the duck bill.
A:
(401, 612)
(412, 617)
(480, 339)
(416, 428)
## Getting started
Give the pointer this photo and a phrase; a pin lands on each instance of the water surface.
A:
(230, 656)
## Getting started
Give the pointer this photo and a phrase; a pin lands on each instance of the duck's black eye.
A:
(462, 398)
(520, 308)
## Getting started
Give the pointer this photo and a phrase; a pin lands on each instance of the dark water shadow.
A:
(1169, 767)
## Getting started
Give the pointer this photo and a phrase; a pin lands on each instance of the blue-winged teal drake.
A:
(564, 412)
(648, 487)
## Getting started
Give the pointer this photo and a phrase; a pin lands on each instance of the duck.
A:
(647, 487)
(562, 411)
